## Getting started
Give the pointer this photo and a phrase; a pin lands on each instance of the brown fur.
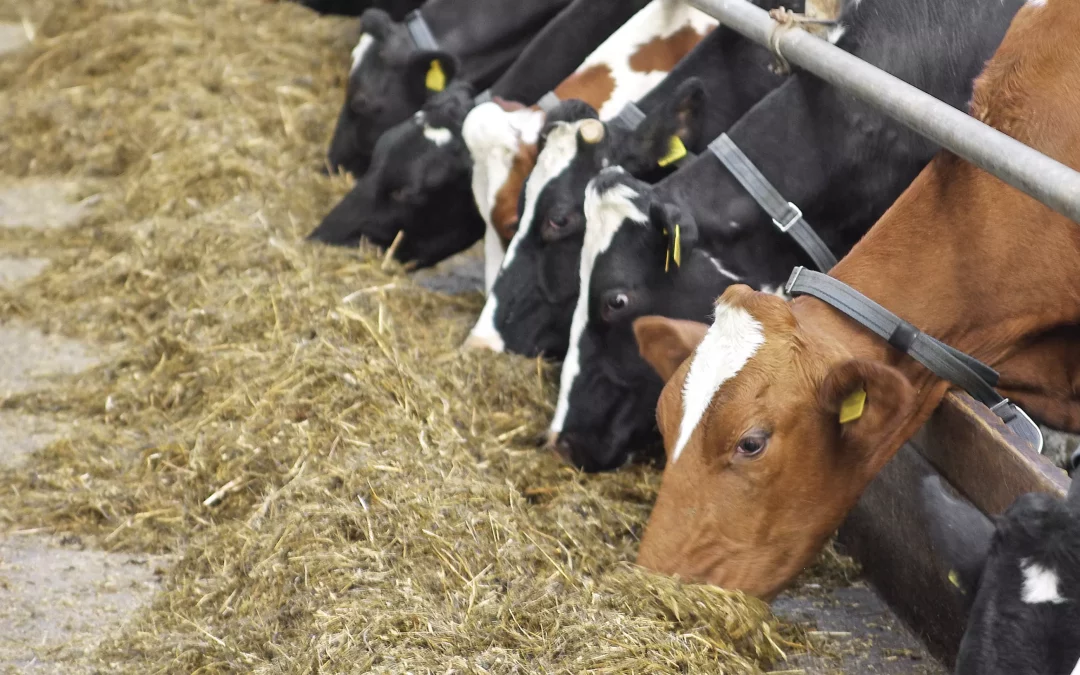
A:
(664, 53)
(962, 256)
(504, 216)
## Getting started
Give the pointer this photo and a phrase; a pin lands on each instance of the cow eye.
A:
(557, 227)
(615, 304)
(753, 444)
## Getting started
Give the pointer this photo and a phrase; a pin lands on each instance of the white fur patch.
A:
(724, 272)
(604, 215)
(1038, 3)
(360, 49)
(836, 32)
(1040, 584)
(494, 137)
(730, 342)
(1076, 669)
(562, 141)
(440, 136)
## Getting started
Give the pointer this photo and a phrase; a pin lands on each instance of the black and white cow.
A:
(529, 308)
(397, 9)
(1020, 577)
(406, 153)
(419, 171)
(391, 77)
(842, 162)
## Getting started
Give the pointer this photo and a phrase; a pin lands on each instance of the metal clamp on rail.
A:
(785, 215)
(948, 363)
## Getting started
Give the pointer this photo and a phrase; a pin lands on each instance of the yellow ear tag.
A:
(676, 151)
(436, 78)
(852, 407)
(678, 249)
(954, 579)
(667, 254)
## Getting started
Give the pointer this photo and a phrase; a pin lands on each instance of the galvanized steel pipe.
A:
(1045, 179)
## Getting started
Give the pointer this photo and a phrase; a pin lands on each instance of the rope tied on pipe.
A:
(786, 20)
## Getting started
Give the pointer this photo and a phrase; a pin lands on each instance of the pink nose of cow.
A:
(484, 341)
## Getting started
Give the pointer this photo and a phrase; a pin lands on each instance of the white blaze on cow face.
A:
(605, 214)
(558, 152)
(360, 50)
(730, 342)
(1076, 669)
(1040, 584)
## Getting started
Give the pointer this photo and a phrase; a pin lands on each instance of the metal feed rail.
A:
(1045, 179)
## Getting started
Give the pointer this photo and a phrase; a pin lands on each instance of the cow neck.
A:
(947, 259)
(484, 35)
(776, 137)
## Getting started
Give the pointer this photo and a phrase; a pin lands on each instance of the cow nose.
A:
(484, 340)
(561, 446)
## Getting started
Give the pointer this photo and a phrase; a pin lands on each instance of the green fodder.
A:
(344, 488)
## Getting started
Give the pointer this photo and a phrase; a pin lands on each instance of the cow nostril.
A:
(1074, 461)
(562, 448)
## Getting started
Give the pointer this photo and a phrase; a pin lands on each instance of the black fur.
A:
(414, 186)
(1006, 635)
(478, 40)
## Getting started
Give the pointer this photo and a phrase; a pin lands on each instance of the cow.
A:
(391, 76)
(528, 310)
(411, 189)
(503, 139)
(1019, 575)
(842, 162)
(760, 468)
(397, 9)
(362, 214)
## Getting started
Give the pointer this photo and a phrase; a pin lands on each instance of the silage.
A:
(345, 489)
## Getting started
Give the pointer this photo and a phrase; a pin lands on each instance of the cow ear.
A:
(679, 229)
(676, 126)
(428, 73)
(869, 403)
(666, 343)
(960, 534)
(376, 23)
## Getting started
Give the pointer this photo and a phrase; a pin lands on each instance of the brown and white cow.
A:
(760, 469)
(502, 137)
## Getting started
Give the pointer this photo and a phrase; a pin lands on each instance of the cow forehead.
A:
(558, 152)
(361, 48)
(605, 212)
(729, 344)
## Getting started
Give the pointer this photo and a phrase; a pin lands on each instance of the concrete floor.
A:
(58, 600)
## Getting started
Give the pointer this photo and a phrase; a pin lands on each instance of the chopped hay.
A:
(346, 489)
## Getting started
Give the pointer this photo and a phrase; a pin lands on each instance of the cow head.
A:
(502, 138)
(1019, 574)
(389, 81)
(529, 309)
(772, 431)
(639, 258)
(418, 184)
(526, 311)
